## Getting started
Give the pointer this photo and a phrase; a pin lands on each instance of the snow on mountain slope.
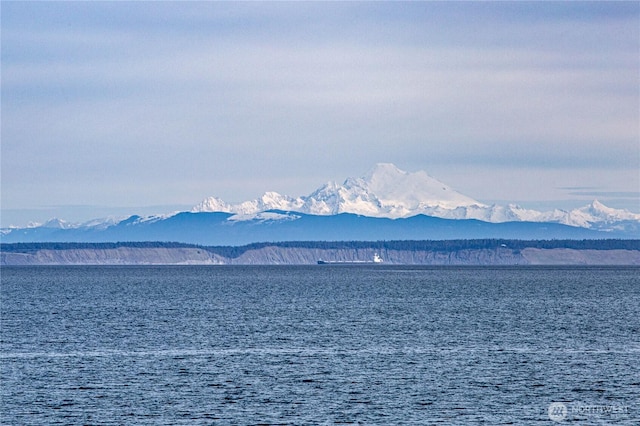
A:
(497, 214)
(597, 215)
(269, 201)
(385, 191)
(213, 204)
(56, 223)
(412, 191)
(263, 217)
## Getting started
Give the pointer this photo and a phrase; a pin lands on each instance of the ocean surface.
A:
(325, 344)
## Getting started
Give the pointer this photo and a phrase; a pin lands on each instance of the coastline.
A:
(297, 254)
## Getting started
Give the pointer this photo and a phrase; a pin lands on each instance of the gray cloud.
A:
(608, 194)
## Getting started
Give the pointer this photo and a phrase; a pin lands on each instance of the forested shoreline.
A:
(405, 245)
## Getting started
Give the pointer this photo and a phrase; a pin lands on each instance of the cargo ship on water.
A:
(376, 260)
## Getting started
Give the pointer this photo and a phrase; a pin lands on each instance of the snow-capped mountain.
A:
(269, 201)
(385, 203)
(598, 216)
(386, 191)
(56, 223)
(593, 216)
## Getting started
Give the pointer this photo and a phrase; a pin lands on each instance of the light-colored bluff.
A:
(276, 255)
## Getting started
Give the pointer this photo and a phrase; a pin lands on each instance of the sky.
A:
(115, 108)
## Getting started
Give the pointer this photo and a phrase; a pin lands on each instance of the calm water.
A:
(319, 344)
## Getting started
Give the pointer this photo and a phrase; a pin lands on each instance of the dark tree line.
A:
(32, 247)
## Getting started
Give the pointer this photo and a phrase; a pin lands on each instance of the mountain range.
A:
(389, 192)
(385, 204)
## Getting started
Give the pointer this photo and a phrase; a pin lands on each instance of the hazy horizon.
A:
(84, 213)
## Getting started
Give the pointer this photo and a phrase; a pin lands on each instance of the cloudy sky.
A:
(147, 107)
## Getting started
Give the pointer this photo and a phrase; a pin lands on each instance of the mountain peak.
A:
(385, 191)
(596, 211)
(384, 169)
(212, 204)
(398, 188)
(598, 206)
(57, 224)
